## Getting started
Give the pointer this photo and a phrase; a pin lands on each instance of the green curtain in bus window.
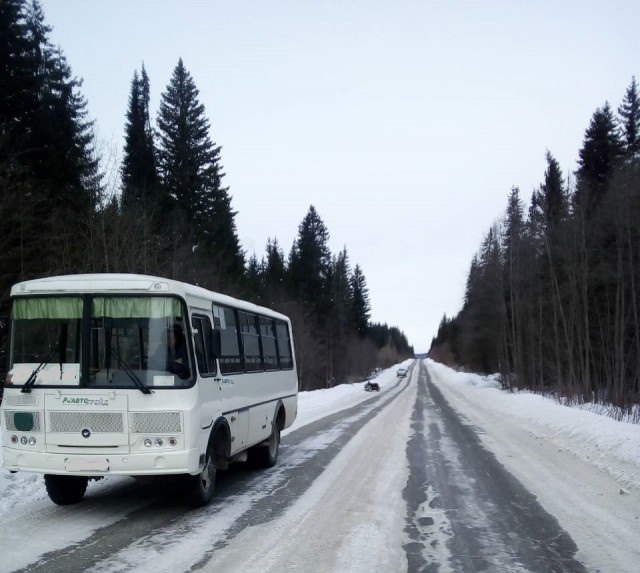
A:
(136, 307)
(47, 307)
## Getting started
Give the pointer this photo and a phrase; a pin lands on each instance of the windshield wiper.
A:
(26, 388)
(130, 373)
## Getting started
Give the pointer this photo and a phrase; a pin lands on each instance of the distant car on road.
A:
(402, 372)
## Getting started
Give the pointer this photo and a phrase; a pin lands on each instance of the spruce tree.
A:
(17, 101)
(139, 174)
(190, 171)
(63, 152)
(186, 155)
(340, 323)
(482, 317)
(513, 227)
(629, 113)
(514, 262)
(599, 156)
(254, 282)
(341, 289)
(274, 273)
(48, 163)
(361, 308)
(218, 236)
(145, 242)
(309, 262)
(554, 197)
(17, 89)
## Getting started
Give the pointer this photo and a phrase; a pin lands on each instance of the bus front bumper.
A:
(159, 462)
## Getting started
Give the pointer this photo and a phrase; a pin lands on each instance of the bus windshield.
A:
(133, 341)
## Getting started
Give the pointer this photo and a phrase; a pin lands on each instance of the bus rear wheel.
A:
(265, 455)
(65, 490)
(198, 489)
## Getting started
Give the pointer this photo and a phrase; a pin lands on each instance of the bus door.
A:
(232, 378)
(208, 382)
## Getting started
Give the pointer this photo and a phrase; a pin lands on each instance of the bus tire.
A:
(65, 490)
(265, 455)
(199, 488)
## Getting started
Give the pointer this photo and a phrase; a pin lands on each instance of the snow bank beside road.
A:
(611, 445)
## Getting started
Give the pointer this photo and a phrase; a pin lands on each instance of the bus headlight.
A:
(23, 440)
(159, 442)
(148, 443)
(14, 439)
(32, 441)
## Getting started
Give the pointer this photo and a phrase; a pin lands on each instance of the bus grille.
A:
(21, 400)
(155, 423)
(97, 422)
(9, 418)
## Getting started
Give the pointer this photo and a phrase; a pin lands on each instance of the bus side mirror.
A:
(216, 344)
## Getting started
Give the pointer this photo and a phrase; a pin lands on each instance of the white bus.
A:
(116, 374)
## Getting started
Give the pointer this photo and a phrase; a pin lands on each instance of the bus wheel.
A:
(265, 455)
(199, 488)
(65, 490)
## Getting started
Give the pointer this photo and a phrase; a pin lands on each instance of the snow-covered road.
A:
(350, 519)
(583, 468)
(440, 471)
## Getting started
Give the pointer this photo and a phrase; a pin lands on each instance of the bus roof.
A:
(123, 283)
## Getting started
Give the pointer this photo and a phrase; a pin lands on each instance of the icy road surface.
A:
(430, 474)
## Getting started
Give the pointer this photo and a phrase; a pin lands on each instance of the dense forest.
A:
(165, 211)
(552, 296)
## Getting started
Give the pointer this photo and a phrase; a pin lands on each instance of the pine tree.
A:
(629, 113)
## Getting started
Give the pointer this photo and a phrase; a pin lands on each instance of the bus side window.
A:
(268, 337)
(230, 359)
(284, 345)
(250, 342)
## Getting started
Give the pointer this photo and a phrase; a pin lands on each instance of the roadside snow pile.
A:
(611, 411)
(609, 444)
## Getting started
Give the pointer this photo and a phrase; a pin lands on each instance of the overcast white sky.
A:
(405, 123)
